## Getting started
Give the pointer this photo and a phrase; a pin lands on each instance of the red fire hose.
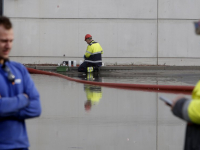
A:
(143, 87)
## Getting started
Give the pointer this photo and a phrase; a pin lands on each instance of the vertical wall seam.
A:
(157, 83)
(157, 121)
(157, 30)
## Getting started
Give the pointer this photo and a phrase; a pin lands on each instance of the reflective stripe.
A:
(93, 53)
(88, 52)
(93, 61)
(96, 53)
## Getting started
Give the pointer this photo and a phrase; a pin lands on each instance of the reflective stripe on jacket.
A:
(93, 53)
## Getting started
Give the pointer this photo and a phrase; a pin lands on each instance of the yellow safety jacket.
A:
(194, 105)
(189, 110)
(93, 53)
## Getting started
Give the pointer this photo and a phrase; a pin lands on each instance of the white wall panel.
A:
(179, 61)
(55, 37)
(59, 9)
(177, 38)
(184, 9)
(106, 61)
(137, 39)
(45, 30)
(26, 37)
(118, 9)
(59, 37)
(22, 8)
(81, 8)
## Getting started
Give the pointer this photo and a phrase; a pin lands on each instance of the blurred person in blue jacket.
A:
(19, 98)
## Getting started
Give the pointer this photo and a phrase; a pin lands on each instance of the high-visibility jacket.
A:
(189, 110)
(194, 106)
(93, 53)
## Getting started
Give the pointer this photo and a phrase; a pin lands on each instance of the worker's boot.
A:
(96, 69)
(90, 69)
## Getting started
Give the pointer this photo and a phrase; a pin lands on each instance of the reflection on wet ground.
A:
(160, 77)
(87, 117)
(93, 94)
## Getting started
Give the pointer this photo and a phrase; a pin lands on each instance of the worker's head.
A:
(88, 105)
(88, 38)
(6, 37)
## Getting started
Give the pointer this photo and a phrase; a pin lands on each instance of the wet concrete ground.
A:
(118, 119)
(165, 77)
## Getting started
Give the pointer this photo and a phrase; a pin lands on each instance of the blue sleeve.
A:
(34, 107)
(20, 107)
(11, 105)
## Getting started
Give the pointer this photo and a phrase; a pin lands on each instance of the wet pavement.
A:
(160, 77)
(86, 117)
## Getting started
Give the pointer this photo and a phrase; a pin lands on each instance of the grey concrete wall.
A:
(137, 32)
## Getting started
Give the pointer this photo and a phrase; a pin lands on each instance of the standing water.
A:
(117, 119)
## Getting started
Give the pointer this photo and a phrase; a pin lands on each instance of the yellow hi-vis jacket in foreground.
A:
(189, 110)
(93, 53)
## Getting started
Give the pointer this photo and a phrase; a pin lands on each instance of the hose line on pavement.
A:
(143, 87)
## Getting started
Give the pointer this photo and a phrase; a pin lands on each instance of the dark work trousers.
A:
(192, 137)
(84, 65)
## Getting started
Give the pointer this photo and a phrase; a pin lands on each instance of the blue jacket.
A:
(15, 107)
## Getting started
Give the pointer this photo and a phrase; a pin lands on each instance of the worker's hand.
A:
(176, 99)
(26, 96)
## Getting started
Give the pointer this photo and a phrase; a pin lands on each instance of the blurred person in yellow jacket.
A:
(92, 56)
(189, 110)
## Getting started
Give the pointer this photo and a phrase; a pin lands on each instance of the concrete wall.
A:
(154, 32)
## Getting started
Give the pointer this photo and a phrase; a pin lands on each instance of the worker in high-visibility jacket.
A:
(92, 56)
(186, 109)
(189, 110)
